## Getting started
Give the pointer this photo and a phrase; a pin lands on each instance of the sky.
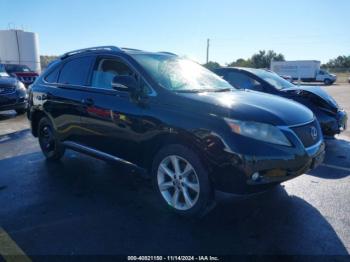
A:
(299, 29)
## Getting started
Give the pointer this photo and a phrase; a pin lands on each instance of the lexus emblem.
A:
(313, 132)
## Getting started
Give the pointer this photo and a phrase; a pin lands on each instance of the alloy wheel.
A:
(178, 182)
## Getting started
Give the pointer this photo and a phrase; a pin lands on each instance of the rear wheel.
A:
(49, 144)
(181, 181)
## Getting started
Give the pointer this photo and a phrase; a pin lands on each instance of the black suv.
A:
(169, 116)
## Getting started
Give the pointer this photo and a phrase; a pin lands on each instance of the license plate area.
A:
(318, 160)
(342, 121)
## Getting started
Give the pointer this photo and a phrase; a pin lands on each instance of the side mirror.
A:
(124, 83)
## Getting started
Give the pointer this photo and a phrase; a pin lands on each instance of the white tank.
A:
(20, 47)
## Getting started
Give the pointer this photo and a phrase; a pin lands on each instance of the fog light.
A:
(256, 176)
(276, 173)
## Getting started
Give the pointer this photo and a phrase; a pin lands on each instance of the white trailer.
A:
(20, 47)
(305, 70)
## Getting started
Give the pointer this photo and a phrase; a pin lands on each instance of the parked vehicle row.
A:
(22, 72)
(186, 127)
(13, 94)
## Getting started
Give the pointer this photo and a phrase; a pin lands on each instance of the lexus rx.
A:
(192, 131)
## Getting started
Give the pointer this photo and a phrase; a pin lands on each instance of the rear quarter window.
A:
(52, 76)
(75, 72)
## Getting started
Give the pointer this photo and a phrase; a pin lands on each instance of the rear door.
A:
(110, 118)
(64, 97)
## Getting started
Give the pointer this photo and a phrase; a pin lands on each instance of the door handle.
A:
(87, 101)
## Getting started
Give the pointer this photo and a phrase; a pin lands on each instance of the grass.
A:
(342, 77)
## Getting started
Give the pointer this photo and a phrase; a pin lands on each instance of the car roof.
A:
(109, 50)
(247, 69)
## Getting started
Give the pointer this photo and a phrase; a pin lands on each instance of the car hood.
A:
(249, 106)
(315, 91)
(8, 81)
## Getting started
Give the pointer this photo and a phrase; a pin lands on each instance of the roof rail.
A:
(130, 49)
(167, 53)
(90, 49)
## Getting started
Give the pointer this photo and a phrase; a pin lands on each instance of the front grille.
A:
(7, 90)
(27, 79)
(309, 134)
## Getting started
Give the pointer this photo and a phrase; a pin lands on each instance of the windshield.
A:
(180, 75)
(3, 72)
(17, 68)
(272, 78)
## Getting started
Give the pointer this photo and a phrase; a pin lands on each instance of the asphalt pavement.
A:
(84, 206)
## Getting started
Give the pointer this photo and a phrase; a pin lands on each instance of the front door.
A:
(111, 119)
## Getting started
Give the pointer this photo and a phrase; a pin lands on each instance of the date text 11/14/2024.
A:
(173, 258)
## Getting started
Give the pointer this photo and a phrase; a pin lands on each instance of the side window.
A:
(75, 72)
(106, 69)
(321, 72)
(240, 80)
(146, 90)
(52, 76)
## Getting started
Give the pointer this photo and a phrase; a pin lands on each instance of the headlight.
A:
(21, 86)
(259, 131)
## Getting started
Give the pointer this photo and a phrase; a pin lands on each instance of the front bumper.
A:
(332, 125)
(259, 165)
(13, 101)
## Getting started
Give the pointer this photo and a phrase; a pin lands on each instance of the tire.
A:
(327, 82)
(192, 188)
(21, 111)
(51, 147)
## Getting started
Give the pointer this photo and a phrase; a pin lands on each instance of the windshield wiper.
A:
(203, 90)
(190, 91)
(223, 90)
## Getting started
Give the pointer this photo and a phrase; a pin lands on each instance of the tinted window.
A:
(241, 80)
(106, 69)
(17, 68)
(75, 72)
(272, 78)
(52, 76)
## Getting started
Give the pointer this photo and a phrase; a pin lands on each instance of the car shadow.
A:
(14, 135)
(5, 115)
(104, 209)
(336, 164)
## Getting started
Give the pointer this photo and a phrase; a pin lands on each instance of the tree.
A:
(46, 60)
(339, 62)
(212, 65)
(241, 63)
(263, 59)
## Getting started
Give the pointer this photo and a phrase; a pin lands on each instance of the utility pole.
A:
(208, 44)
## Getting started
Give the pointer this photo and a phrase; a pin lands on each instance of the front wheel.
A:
(20, 111)
(49, 144)
(181, 181)
(327, 82)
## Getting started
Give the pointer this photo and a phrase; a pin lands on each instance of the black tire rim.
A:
(47, 140)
